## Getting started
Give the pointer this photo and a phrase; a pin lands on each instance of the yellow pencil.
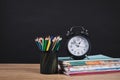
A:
(48, 45)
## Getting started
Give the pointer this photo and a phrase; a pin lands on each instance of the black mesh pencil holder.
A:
(48, 62)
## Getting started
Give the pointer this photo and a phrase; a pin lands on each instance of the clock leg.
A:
(87, 57)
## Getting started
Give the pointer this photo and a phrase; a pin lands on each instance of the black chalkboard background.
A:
(24, 20)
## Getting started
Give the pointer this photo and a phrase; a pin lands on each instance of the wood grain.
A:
(32, 72)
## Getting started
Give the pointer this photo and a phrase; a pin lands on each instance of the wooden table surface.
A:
(32, 72)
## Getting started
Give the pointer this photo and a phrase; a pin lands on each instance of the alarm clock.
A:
(78, 43)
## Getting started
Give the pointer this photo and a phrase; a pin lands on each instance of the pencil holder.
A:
(48, 63)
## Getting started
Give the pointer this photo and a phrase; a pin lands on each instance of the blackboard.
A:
(24, 20)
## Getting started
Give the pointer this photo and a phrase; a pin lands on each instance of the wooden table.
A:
(32, 72)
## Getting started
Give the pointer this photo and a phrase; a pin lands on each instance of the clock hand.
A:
(77, 45)
(80, 41)
(82, 46)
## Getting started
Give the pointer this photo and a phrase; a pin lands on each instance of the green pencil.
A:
(45, 44)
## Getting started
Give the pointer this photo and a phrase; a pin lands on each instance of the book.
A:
(94, 63)
(90, 72)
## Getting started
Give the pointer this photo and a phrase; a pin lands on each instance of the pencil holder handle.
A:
(48, 63)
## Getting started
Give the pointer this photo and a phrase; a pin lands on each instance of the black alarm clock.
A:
(78, 43)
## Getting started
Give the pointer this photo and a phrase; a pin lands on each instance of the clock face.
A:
(78, 45)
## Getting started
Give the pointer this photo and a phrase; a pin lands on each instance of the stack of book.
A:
(95, 64)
